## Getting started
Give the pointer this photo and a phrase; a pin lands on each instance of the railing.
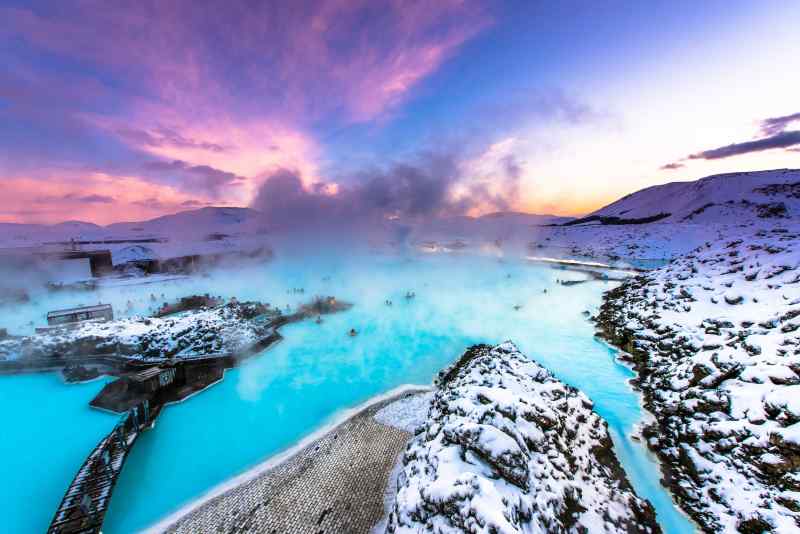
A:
(84, 506)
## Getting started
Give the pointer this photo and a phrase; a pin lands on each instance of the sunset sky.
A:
(129, 112)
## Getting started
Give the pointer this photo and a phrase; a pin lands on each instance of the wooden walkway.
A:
(84, 506)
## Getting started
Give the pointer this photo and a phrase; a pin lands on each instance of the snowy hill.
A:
(198, 223)
(718, 198)
(666, 221)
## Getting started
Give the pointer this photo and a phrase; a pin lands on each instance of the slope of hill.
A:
(201, 221)
(718, 198)
(666, 221)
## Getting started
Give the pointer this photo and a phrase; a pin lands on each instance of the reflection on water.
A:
(295, 387)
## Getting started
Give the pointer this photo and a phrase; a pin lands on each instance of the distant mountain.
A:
(199, 223)
(717, 198)
(75, 226)
(524, 218)
(721, 198)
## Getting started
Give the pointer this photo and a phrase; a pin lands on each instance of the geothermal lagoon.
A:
(318, 370)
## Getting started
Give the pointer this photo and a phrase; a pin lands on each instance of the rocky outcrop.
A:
(507, 448)
(227, 328)
(714, 338)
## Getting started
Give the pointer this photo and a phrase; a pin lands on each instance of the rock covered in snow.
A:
(507, 448)
(227, 328)
(715, 337)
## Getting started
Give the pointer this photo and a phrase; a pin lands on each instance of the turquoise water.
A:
(48, 430)
(317, 371)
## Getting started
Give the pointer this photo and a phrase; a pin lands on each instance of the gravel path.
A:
(336, 484)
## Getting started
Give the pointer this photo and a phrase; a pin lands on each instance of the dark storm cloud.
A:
(779, 140)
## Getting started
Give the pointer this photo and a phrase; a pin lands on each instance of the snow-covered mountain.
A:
(666, 221)
(198, 223)
(203, 221)
(718, 198)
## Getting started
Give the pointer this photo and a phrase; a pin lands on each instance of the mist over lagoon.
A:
(294, 388)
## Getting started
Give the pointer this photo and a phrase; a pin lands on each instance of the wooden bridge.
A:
(84, 506)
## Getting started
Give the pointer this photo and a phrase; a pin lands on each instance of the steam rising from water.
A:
(433, 185)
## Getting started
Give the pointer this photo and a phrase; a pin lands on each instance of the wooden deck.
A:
(84, 506)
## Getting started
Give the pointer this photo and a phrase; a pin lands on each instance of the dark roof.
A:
(147, 374)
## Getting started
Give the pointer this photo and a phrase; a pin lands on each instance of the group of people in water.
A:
(353, 332)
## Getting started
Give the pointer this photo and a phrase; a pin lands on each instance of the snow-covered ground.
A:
(226, 328)
(715, 337)
(507, 448)
(406, 413)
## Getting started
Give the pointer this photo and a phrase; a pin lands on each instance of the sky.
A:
(115, 111)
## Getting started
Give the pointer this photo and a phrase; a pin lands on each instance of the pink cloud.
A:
(232, 92)
(94, 198)
(308, 58)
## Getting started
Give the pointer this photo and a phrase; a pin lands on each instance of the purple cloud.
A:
(198, 178)
(90, 199)
(672, 166)
(77, 198)
(779, 140)
(162, 136)
(777, 125)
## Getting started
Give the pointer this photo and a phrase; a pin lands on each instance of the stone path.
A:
(335, 485)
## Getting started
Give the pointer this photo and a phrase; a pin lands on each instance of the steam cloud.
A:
(432, 186)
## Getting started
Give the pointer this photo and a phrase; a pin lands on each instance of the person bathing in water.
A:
(353, 332)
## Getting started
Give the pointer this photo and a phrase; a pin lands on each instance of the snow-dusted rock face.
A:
(715, 337)
(507, 448)
(227, 328)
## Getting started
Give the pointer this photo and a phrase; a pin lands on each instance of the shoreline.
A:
(262, 469)
(648, 418)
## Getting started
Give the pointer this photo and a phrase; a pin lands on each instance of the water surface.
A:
(318, 370)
